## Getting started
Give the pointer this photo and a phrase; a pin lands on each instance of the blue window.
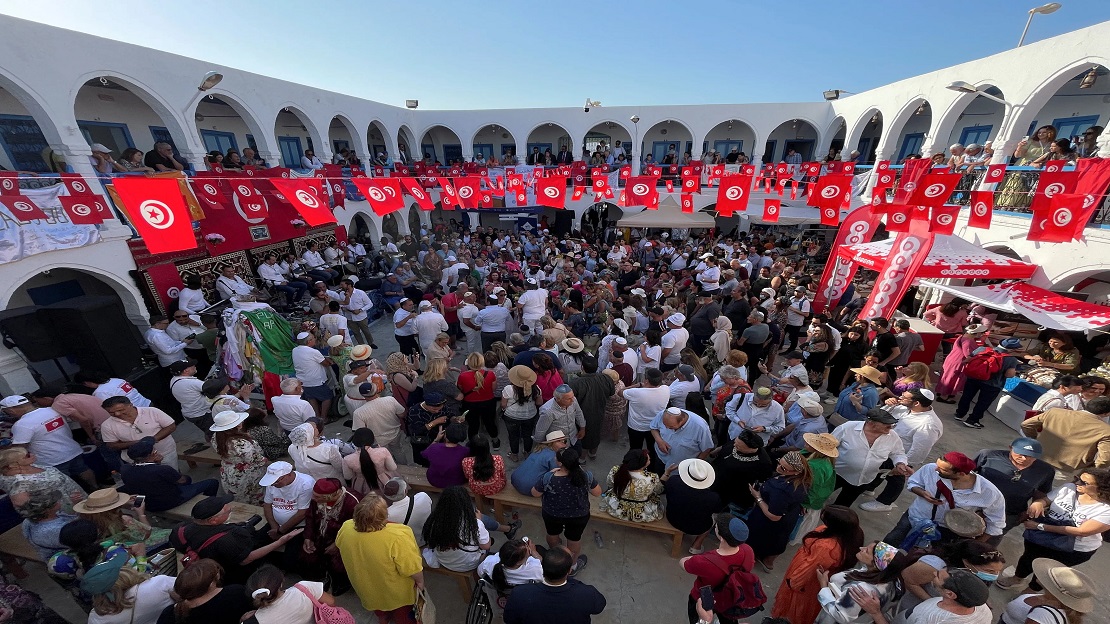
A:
(114, 136)
(428, 150)
(1072, 127)
(485, 149)
(911, 144)
(337, 145)
(543, 147)
(161, 134)
(218, 141)
(251, 143)
(724, 147)
(452, 152)
(659, 150)
(291, 151)
(975, 134)
(769, 151)
(23, 143)
(690, 148)
(863, 148)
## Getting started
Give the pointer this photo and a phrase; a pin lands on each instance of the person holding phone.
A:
(706, 567)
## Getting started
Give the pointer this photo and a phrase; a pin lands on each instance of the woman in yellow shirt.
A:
(384, 561)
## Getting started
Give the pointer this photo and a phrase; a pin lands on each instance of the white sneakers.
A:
(875, 506)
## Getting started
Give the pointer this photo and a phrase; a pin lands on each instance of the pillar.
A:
(872, 178)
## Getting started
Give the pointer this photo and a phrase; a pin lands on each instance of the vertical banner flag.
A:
(670, 185)
(907, 256)
(448, 198)
(995, 173)
(691, 182)
(552, 191)
(166, 280)
(982, 209)
(82, 209)
(600, 183)
(578, 192)
(858, 227)
(687, 203)
(942, 221)
(383, 194)
(9, 183)
(732, 195)
(158, 211)
(312, 208)
(771, 209)
(413, 187)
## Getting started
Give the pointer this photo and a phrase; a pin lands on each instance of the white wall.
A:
(557, 136)
(222, 118)
(738, 132)
(789, 132)
(337, 132)
(501, 139)
(675, 133)
(981, 112)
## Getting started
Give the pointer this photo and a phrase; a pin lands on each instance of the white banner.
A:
(19, 240)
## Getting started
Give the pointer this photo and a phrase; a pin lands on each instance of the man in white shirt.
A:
(864, 447)
(495, 321)
(186, 388)
(382, 415)
(129, 424)
(45, 434)
(710, 276)
(451, 270)
(645, 401)
(191, 298)
(311, 368)
(674, 341)
(756, 411)
(289, 408)
(411, 510)
(230, 285)
(797, 314)
(287, 498)
(335, 324)
(333, 256)
(429, 323)
(920, 428)
(468, 314)
(685, 382)
(310, 161)
(166, 348)
(104, 387)
(272, 275)
(404, 329)
(315, 264)
(356, 304)
(533, 304)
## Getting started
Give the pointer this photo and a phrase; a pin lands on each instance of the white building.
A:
(82, 89)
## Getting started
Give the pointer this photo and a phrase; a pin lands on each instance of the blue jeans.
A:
(490, 522)
(293, 291)
(518, 430)
(324, 275)
(986, 395)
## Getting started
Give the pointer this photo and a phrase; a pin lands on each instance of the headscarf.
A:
(301, 435)
(722, 338)
(397, 363)
(884, 554)
(795, 460)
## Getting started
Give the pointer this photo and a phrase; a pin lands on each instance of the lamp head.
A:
(1045, 9)
(831, 94)
(412, 103)
(634, 119)
(962, 87)
(210, 80)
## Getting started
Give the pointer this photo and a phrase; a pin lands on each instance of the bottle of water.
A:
(598, 539)
(116, 478)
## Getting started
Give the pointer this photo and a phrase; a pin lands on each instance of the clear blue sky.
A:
(515, 54)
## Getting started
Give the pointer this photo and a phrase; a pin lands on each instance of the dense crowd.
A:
(703, 351)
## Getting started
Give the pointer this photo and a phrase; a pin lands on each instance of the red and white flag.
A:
(579, 191)
(934, 189)
(75, 184)
(847, 168)
(882, 165)
(9, 183)
(208, 193)
(338, 193)
(552, 191)
(732, 195)
(22, 208)
(599, 182)
(982, 209)
(641, 191)
(771, 210)
(943, 219)
(383, 194)
(811, 169)
(716, 172)
(469, 189)
(884, 179)
(448, 198)
(625, 172)
(1056, 221)
(654, 171)
(995, 173)
(82, 209)
(898, 217)
(312, 208)
(782, 169)
(830, 216)
(415, 190)
(1050, 184)
(687, 203)
(829, 191)
(158, 211)
(669, 185)
(249, 199)
(691, 182)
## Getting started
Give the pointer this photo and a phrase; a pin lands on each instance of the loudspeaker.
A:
(564, 222)
(153, 382)
(30, 334)
(96, 332)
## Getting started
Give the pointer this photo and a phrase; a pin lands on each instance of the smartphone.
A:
(139, 500)
(525, 539)
(1025, 138)
(706, 597)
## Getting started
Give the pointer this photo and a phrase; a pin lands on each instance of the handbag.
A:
(327, 614)
(1055, 541)
(424, 609)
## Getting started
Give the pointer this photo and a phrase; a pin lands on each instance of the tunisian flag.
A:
(830, 191)
(907, 255)
(83, 209)
(943, 219)
(251, 202)
(311, 206)
(448, 198)
(552, 191)
(384, 194)
(641, 191)
(75, 183)
(913, 170)
(1056, 221)
(691, 182)
(732, 194)
(858, 227)
(22, 208)
(982, 209)
(771, 209)
(687, 203)
(599, 181)
(413, 188)
(469, 189)
(934, 189)
(158, 211)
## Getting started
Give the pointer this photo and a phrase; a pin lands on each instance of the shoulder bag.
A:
(327, 614)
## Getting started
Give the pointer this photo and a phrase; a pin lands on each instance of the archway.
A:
(612, 133)
(837, 133)
(224, 124)
(731, 135)
(23, 144)
(406, 143)
(112, 114)
(364, 229)
(977, 119)
(870, 132)
(341, 135)
(549, 136)
(665, 138)
(910, 131)
(597, 216)
(441, 144)
(389, 226)
(414, 221)
(1075, 105)
(494, 140)
(295, 134)
(377, 140)
(796, 134)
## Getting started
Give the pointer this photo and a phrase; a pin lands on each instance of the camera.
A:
(251, 521)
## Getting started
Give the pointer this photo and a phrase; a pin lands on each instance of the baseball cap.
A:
(179, 366)
(367, 389)
(142, 448)
(14, 400)
(434, 398)
(210, 506)
(276, 471)
(959, 461)
(1027, 447)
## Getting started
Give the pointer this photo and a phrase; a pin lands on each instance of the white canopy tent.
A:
(669, 215)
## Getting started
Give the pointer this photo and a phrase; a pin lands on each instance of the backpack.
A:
(984, 364)
(740, 594)
(192, 556)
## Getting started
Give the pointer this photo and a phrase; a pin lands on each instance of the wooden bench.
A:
(205, 456)
(16, 550)
(509, 498)
(417, 478)
(463, 579)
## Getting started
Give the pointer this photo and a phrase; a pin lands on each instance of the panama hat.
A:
(101, 500)
(361, 352)
(696, 473)
(870, 372)
(335, 341)
(227, 420)
(521, 375)
(1069, 586)
(824, 443)
(572, 345)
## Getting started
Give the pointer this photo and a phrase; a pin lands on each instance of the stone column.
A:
(872, 179)
(1003, 148)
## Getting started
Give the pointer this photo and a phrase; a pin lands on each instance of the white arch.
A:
(1027, 111)
(304, 118)
(33, 102)
(263, 138)
(175, 124)
(360, 147)
(855, 132)
(894, 134)
(757, 140)
(129, 293)
(480, 128)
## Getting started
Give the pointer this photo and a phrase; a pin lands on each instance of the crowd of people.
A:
(703, 351)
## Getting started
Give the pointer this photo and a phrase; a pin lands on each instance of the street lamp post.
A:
(1044, 9)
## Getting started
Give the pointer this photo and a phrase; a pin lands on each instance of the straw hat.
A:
(612, 375)
(335, 341)
(824, 443)
(572, 345)
(696, 473)
(1069, 586)
(227, 420)
(101, 500)
(523, 376)
(869, 372)
(976, 328)
(965, 523)
(361, 352)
